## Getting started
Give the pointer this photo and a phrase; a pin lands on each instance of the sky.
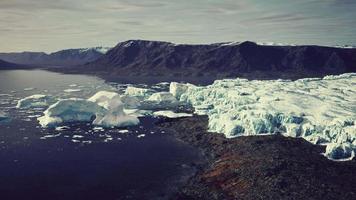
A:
(51, 25)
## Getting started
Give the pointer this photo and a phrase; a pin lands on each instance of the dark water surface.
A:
(82, 162)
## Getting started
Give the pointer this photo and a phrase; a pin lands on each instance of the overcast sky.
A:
(50, 25)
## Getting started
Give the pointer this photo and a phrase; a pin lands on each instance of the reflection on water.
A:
(79, 161)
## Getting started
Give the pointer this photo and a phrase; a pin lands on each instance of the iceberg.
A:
(102, 109)
(35, 101)
(171, 114)
(138, 92)
(103, 98)
(115, 115)
(322, 111)
(162, 97)
(71, 110)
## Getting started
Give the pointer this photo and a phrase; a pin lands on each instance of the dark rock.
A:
(246, 59)
(261, 167)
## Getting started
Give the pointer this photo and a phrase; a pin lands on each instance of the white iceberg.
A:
(322, 111)
(71, 110)
(171, 114)
(35, 101)
(104, 109)
(162, 97)
(115, 115)
(72, 90)
(138, 92)
(103, 98)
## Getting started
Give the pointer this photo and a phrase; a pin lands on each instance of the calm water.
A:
(81, 161)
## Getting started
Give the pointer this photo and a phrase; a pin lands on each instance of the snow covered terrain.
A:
(322, 111)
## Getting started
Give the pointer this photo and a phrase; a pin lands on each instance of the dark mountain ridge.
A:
(68, 57)
(246, 59)
(8, 65)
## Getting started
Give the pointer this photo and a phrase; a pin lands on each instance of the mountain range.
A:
(246, 59)
(68, 57)
(157, 58)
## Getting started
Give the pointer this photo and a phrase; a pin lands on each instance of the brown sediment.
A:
(261, 167)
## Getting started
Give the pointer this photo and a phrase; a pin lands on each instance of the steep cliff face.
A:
(139, 57)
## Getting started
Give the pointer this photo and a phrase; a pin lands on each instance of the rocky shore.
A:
(260, 167)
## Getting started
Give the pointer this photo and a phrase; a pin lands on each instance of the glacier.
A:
(320, 110)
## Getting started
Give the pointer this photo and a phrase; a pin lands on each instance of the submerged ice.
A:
(323, 111)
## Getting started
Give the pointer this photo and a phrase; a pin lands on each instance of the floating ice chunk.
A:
(50, 136)
(72, 90)
(171, 114)
(70, 110)
(37, 100)
(115, 116)
(28, 89)
(103, 98)
(141, 136)
(162, 97)
(62, 128)
(77, 136)
(124, 131)
(138, 92)
(98, 129)
(73, 85)
(138, 113)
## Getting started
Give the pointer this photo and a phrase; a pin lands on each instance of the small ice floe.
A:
(171, 114)
(141, 135)
(123, 131)
(28, 89)
(62, 128)
(77, 136)
(152, 132)
(97, 128)
(50, 136)
(108, 139)
(73, 85)
(75, 141)
(72, 90)
(3, 116)
(6, 95)
(37, 100)
(87, 142)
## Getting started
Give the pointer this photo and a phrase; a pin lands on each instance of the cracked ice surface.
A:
(323, 111)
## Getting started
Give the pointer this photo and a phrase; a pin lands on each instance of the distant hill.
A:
(68, 57)
(8, 65)
(246, 59)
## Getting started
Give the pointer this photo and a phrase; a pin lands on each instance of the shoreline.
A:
(260, 167)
